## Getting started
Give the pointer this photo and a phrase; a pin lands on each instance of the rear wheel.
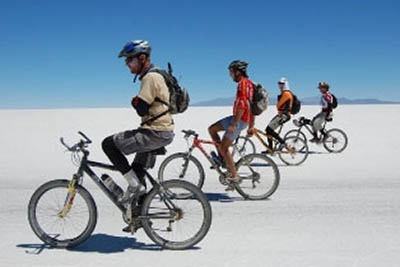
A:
(335, 140)
(258, 177)
(173, 222)
(295, 152)
(51, 225)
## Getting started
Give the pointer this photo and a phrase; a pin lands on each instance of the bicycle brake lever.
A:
(64, 144)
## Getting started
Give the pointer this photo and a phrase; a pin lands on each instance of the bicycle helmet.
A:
(135, 48)
(238, 65)
(323, 85)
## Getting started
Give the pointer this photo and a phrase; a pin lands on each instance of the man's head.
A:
(137, 55)
(323, 87)
(283, 84)
(238, 69)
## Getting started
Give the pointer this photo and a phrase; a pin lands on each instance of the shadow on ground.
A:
(100, 243)
(221, 197)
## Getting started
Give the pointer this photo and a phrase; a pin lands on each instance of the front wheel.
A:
(297, 133)
(182, 166)
(295, 151)
(58, 219)
(335, 141)
(258, 177)
(173, 222)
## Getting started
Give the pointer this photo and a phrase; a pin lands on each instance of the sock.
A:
(131, 178)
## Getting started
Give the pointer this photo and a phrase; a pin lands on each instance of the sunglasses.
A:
(129, 60)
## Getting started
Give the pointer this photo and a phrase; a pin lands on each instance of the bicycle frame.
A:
(197, 143)
(310, 130)
(258, 133)
(85, 167)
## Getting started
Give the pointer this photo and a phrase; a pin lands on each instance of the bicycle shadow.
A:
(100, 243)
(222, 197)
(317, 152)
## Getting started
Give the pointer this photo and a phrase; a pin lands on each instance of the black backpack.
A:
(260, 100)
(178, 96)
(296, 106)
(334, 102)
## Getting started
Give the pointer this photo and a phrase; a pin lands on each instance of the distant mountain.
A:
(313, 100)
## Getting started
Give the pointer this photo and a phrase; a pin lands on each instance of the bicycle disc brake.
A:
(222, 179)
(255, 179)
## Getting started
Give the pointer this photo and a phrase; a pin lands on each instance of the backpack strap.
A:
(161, 72)
(155, 118)
(161, 101)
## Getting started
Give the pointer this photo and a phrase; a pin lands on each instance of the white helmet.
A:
(135, 48)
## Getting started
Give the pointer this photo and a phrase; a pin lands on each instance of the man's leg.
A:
(317, 122)
(224, 148)
(270, 130)
(213, 131)
(115, 155)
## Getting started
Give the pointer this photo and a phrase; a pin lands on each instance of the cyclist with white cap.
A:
(284, 106)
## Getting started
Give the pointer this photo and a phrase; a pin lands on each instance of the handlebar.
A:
(189, 133)
(302, 121)
(78, 146)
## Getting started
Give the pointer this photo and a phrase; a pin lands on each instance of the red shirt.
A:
(244, 93)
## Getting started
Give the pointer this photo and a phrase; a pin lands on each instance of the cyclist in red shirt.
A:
(242, 117)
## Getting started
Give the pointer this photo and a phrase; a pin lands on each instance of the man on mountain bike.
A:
(242, 117)
(326, 112)
(284, 106)
(152, 134)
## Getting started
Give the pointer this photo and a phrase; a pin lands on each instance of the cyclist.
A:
(284, 106)
(326, 112)
(241, 118)
(153, 134)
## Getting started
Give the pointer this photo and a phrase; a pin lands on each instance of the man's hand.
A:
(135, 102)
(250, 131)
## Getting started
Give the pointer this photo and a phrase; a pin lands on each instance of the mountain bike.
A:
(293, 152)
(334, 140)
(258, 174)
(62, 213)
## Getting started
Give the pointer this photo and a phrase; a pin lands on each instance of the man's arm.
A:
(237, 117)
(250, 130)
(141, 106)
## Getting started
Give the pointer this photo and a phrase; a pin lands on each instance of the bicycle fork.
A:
(185, 163)
(69, 200)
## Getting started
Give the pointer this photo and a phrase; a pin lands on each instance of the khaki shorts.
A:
(319, 120)
(278, 120)
(142, 141)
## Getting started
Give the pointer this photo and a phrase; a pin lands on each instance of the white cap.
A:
(285, 82)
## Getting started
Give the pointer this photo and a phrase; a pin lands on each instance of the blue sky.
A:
(56, 54)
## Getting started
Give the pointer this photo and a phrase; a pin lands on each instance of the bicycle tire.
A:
(326, 141)
(244, 148)
(38, 228)
(247, 161)
(301, 150)
(198, 181)
(297, 133)
(197, 194)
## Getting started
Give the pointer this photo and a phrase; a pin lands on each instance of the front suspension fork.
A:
(69, 200)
